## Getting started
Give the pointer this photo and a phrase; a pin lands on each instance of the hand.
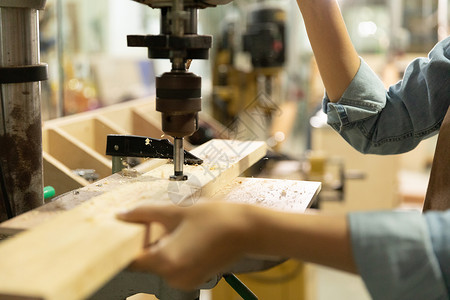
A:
(201, 240)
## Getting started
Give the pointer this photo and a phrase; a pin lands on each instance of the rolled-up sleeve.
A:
(395, 256)
(364, 98)
(379, 121)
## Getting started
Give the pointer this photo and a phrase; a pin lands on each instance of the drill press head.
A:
(178, 92)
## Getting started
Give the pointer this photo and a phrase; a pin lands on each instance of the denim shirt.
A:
(400, 255)
(377, 121)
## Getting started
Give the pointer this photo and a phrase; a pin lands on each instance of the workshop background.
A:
(85, 46)
(92, 71)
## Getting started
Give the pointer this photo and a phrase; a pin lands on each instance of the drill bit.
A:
(178, 159)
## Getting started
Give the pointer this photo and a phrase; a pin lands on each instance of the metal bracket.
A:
(121, 146)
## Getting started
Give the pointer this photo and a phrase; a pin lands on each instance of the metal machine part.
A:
(20, 110)
(128, 283)
(124, 146)
(178, 92)
(265, 41)
(87, 174)
(265, 37)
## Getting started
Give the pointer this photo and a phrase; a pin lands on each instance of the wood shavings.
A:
(286, 195)
(130, 173)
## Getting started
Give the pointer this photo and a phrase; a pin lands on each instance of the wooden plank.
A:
(74, 198)
(281, 194)
(75, 253)
(277, 194)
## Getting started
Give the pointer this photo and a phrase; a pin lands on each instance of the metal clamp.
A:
(120, 146)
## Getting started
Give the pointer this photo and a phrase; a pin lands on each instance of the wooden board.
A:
(75, 197)
(277, 194)
(75, 253)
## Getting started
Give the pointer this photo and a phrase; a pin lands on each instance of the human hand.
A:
(200, 241)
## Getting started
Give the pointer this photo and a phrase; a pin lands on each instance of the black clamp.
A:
(119, 146)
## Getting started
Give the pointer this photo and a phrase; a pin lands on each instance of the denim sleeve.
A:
(379, 121)
(395, 257)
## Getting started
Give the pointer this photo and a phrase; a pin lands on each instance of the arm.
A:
(370, 118)
(400, 255)
(316, 238)
(377, 121)
(204, 239)
(336, 57)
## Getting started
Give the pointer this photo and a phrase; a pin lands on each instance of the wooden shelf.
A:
(79, 141)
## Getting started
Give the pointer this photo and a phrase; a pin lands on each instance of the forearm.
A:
(204, 239)
(318, 238)
(336, 57)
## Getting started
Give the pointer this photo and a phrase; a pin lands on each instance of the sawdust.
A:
(132, 173)
(286, 195)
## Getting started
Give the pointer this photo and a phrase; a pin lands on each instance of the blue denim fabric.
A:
(402, 255)
(377, 121)
(439, 229)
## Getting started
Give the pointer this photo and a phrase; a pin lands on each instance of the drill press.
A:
(178, 92)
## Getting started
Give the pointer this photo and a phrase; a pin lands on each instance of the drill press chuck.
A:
(178, 98)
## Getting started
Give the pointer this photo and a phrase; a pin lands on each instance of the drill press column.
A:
(21, 185)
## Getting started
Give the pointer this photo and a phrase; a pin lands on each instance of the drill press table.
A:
(74, 245)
